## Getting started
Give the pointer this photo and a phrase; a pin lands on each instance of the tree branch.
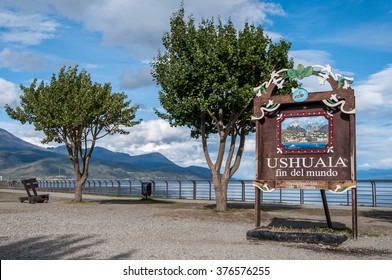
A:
(240, 151)
(231, 152)
(204, 142)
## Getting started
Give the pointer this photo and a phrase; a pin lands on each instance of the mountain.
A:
(15, 152)
(324, 128)
(99, 153)
(20, 159)
(296, 127)
(10, 142)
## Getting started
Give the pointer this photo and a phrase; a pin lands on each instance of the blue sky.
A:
(115, 40)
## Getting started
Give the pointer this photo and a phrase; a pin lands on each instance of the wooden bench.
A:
(31, 185)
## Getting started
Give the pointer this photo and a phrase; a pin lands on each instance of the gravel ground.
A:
(105, 228)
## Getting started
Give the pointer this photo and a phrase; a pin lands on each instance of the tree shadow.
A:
(56, 248)
(233, 205)
(10, 197)
(269, 207)
(263, 206)
(133, 201)
(384, 215)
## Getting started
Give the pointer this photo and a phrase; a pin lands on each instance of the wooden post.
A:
(194, 189)
(243, 190)
(353, 177)
(354, 213)
(326, 209)
(257, 207)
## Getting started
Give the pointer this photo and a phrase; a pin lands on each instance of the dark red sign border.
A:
(327, 149)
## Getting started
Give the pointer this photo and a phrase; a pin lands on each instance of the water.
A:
(370, 193)
(305, 145)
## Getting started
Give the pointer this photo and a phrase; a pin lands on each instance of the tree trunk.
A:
(80, 179)
(220, 186)
(78, 190)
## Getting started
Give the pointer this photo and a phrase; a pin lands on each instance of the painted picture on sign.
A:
(305, 133)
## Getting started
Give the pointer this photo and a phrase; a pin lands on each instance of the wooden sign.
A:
(305, 140)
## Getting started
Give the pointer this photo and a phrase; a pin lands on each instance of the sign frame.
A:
(302, 154)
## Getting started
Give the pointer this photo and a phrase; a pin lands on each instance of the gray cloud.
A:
(130, 79)
(22, 61)
(139, 28)
(9, 93)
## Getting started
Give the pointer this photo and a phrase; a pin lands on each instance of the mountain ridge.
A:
(20, 159)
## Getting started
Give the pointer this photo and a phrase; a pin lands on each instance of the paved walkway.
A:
(106, 228)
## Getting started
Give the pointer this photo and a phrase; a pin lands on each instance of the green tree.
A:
(73, 110)
(207, 75)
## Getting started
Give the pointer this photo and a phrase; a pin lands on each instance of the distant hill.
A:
(10, 142)
(15, 152)
(151, 159)
(295, 127)
(20, 159)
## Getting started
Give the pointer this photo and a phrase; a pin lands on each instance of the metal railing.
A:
(370, 192)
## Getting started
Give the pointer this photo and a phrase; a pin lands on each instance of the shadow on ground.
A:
(384, 215)
(56, 248)
(10, 197)
(133, 201)
(303, 224)
(251, 205)
(354, 253)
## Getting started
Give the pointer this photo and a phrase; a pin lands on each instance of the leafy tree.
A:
(207, 75)
(74, 111)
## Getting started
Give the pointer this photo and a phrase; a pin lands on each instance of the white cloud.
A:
(374, 96)
(374, 114)
(137, 27)
(247, 170)
(9, 93)
(238, 10)
(131, 80)
(250, 143)
(158, 136)
(176, 144)
(275, 37)
(311, 57)
(22, 61)
(25, 28)
(374, 146)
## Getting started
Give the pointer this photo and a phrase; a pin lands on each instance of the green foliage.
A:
(71, 108)
(301, 72)
(207, 73)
